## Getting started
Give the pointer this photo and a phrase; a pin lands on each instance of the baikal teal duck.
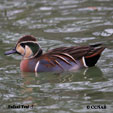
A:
(55, 60)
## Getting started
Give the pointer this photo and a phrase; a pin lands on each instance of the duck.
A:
(55, 60)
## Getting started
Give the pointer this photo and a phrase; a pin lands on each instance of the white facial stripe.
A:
(35, 42)
(83, 59)
(36, 67)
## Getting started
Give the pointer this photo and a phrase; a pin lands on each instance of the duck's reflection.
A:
(92, 74)
(36, 82)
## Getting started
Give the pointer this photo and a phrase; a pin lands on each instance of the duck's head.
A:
(26, 46)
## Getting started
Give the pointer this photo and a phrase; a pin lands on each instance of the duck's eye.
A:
(23, 45)
(20, 49)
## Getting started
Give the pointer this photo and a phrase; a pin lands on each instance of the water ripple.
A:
(56, 23)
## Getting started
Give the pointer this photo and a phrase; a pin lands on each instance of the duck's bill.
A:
(10, 52)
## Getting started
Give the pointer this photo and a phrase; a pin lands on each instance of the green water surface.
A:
(56, 23)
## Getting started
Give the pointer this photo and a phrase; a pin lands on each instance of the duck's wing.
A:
(89, 54)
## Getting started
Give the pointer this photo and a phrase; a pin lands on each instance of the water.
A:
(56, 23)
